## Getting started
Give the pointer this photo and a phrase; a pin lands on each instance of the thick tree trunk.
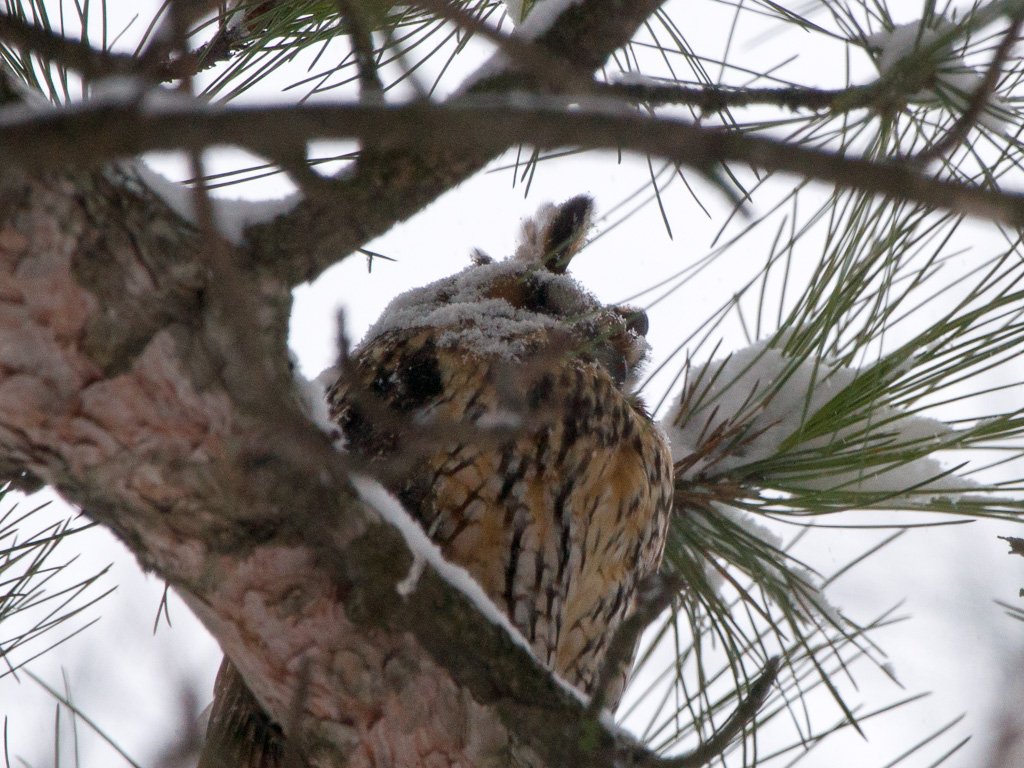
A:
(110, 391)
(143, 374)
(121, 385)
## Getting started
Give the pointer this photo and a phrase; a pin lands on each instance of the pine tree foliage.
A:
(882, 338)
(43, 604)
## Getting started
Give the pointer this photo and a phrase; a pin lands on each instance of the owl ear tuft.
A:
(556, 233)
(566, 231)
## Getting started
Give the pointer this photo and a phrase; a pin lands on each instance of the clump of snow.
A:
(516, 10)
(539, 16)
(133, 89)
(159, 99)
(232, 217)
(740, 410)
(891, 46)
(748, 523)
(633, 77)
(954, 79)
(117, 89)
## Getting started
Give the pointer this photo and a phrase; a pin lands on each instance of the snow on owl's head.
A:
(527, 304)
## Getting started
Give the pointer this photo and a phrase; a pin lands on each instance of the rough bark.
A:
(143, 374)
(119, 387)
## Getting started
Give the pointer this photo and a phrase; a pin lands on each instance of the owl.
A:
(497, 405)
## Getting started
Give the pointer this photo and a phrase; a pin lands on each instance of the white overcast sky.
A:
(955, 643)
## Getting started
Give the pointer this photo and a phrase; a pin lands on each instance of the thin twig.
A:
(715, 98)
(655, 595)
(73, 54)
(741, 717)
(94, 64)
(980, 97)
(370, 85)
(91, 135)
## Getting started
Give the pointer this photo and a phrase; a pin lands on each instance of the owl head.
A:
(527, 305)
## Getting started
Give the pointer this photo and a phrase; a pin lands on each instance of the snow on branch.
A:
(533, 19)
(426, 551)
(955, 82)
(758, 404)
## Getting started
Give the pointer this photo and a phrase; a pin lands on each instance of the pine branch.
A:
(252, 520)
(87, 136)
(336, 223)
(74, 54)
(980, 98)
(714, 98)
(78, 56)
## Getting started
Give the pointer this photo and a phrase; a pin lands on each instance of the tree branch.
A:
(73, 54)
(980, 98)
(387, 187)
(716, 98)
(92, 63)
(114, 389)
(48, 141)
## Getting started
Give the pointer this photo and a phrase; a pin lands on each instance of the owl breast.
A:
(524, 461)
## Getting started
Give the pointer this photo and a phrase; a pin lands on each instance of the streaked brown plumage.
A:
(495, 405)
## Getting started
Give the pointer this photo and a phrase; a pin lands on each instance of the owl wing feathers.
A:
(560, 520)
(239, 734)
